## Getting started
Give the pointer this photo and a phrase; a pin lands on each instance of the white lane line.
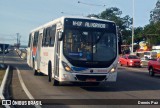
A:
(3, 86)
(4, 83)
(25, 88)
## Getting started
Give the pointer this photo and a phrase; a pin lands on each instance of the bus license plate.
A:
(91, 80)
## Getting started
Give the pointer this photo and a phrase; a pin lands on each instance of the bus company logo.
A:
(6, 102)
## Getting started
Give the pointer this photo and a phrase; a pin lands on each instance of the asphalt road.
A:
(132, 83)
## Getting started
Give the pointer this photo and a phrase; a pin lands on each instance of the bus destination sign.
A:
(85, 23)
(89, 24)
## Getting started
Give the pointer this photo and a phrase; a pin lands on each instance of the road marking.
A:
(25, 88)
(3, 86)
(133, 69)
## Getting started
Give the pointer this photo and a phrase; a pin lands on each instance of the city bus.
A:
(74, 49)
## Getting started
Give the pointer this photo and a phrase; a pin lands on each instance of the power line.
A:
(2, 34)
(7, 38)
(90, 4)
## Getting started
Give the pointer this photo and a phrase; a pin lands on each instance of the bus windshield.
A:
(90, 45)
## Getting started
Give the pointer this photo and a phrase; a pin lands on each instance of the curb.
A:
(3, 86)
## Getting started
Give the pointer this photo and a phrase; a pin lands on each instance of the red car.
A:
(130, 60)
(154, 67)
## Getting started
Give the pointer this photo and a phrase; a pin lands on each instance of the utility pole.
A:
(18, 40)
(133, 26)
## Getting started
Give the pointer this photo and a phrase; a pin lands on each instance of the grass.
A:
(2, 73)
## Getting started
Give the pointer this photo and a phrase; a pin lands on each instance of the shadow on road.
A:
(129, 81)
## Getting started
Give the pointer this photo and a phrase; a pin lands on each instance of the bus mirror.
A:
(61, 34)
(119, 42)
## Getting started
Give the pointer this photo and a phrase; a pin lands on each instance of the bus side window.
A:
(44, 37)
(52, 35)
(47, 37)
(35, 39)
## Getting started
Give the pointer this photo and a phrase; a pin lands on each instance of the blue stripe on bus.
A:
(78, 68)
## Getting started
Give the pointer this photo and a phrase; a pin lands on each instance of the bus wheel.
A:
(35, 72)
(151, 72)
(55, 82)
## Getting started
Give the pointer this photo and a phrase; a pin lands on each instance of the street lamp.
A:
(132, 25)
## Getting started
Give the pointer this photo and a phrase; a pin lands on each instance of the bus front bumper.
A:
(74, 77)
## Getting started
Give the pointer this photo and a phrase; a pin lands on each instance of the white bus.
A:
(74, 49)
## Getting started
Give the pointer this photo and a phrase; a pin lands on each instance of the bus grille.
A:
(85, 77)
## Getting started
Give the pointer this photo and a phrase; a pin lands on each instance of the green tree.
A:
(124, 23)
(138, 37)
(155, 13)
(151, 33)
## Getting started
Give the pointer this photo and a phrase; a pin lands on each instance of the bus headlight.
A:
(66, 67)
(112, 70)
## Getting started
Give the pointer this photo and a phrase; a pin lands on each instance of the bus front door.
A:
(56, 57)
(39, 51)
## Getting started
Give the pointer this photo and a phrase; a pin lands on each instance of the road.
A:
(132, 83)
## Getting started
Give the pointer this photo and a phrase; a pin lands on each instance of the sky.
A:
(21, 16)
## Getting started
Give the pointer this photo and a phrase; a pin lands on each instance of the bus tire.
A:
(55, 82)
(151, 72)
(35, 72)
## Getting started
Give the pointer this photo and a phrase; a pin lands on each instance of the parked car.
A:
(154, 67)
(150, 54)
(130, 60)
(144, 61)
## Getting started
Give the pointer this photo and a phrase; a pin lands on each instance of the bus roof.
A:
(62, 19)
